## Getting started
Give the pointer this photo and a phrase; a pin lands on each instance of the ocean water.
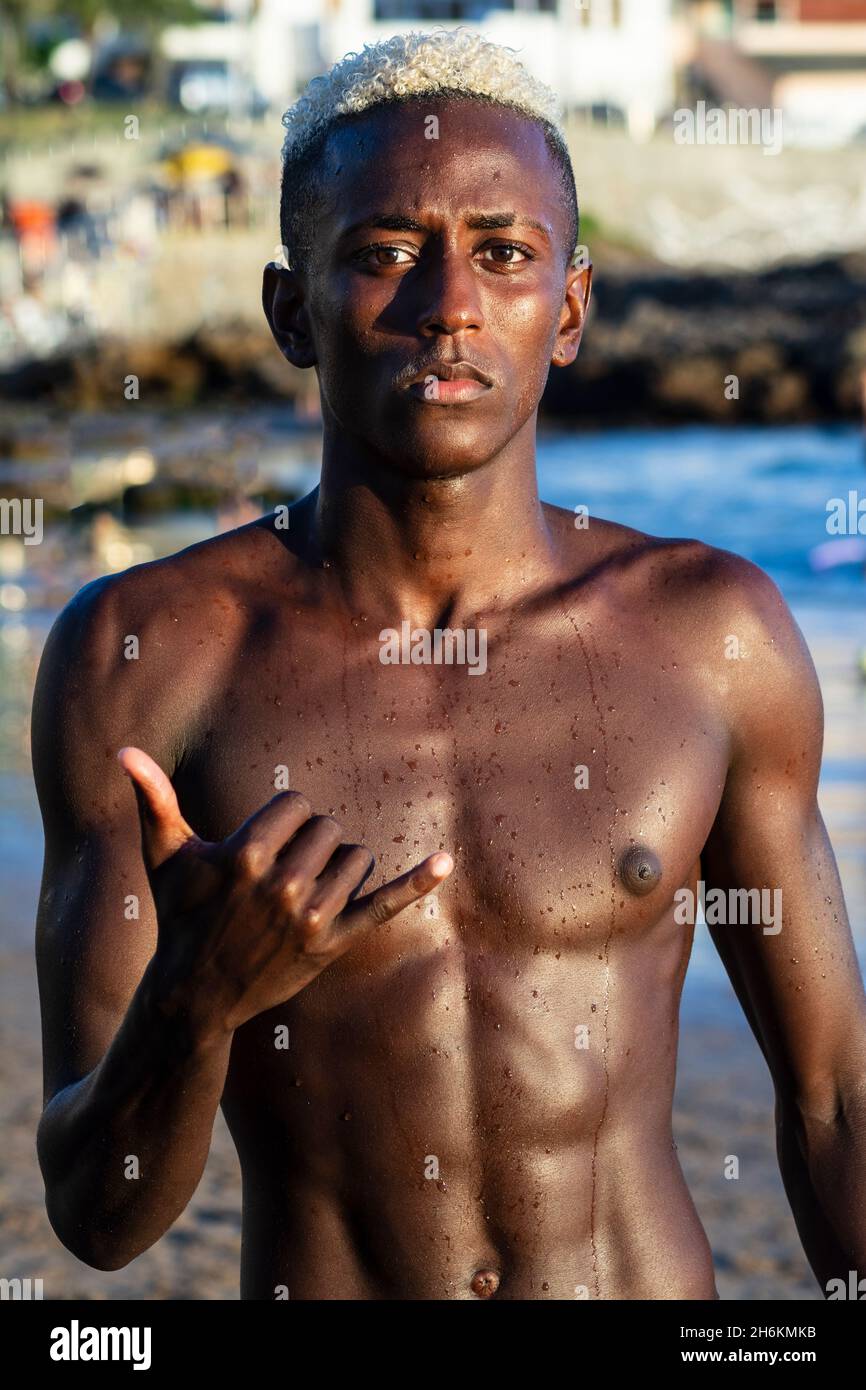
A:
(763, 493)
(760, 492)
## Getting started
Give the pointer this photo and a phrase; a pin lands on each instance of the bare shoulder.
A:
(131, 654)
(732, 627)
(737, 613)
(722, 589)
(173, 598)
(757, 660)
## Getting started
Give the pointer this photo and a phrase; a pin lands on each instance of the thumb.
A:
(163, 829)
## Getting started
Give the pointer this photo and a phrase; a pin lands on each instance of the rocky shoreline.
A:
(781, 346)
(785, 346)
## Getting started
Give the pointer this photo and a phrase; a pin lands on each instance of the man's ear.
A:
(572, 320)
(284, 303)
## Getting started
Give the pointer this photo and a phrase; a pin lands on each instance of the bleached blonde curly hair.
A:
(456, 62)
(416, 65)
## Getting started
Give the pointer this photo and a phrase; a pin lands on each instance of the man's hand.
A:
(245, 924)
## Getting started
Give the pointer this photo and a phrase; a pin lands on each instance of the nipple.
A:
(640, 870)
(484, 1283)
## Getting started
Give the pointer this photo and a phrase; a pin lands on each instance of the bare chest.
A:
(538, 775)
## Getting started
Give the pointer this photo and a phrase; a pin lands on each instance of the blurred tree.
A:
(130, 14)
(12, 17)
(134, 16)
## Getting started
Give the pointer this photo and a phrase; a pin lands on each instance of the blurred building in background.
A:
(618, 61)
(804, 57)
(627, 63)
(614, 59)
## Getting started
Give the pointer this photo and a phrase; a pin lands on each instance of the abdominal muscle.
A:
(539, 1239)
(401, 1153)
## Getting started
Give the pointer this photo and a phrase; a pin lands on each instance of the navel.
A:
(640, 870)
(485, 1282)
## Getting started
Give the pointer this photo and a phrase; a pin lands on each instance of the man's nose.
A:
(451, 298)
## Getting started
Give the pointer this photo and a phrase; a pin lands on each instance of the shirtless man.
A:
(448, 1075)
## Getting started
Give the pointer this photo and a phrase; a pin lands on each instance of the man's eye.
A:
(508, 253)
(385, 254)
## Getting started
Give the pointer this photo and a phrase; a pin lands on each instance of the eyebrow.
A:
(477, 221)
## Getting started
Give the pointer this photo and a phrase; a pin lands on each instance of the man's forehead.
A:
(480, 164)
(421, 133)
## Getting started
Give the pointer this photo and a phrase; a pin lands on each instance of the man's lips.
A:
(450, 383)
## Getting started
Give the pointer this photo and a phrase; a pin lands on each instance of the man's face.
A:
(431, 252)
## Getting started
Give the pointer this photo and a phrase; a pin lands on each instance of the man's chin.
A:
(447, 450)
(431, 467)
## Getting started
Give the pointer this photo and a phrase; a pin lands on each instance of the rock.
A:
(658, 347)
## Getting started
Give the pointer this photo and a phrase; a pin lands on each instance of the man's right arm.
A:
(131, 1084)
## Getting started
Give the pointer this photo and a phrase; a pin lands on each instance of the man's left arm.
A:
(797, 976)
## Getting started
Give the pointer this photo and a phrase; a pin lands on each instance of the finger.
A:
(256, 843)
(344, 873)
(385, 902)
(163, 829)
(294, 875)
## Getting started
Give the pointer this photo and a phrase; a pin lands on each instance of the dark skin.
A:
(433, 1129)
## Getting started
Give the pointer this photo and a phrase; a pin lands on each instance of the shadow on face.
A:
(441, 237)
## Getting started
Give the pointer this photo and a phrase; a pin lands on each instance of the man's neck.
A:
(432, 550)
